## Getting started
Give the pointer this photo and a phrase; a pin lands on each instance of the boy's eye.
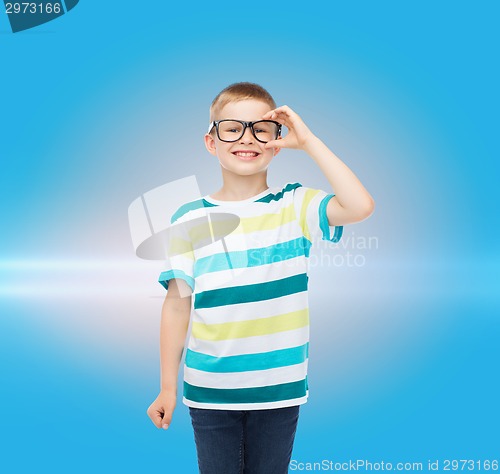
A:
(230, 127)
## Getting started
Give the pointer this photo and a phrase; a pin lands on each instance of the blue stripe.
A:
(190, 206)
(276, 197)
(253, 257)
(251, 292)
(169, 274)
(269, 393)
(324, 224)
(246, 362)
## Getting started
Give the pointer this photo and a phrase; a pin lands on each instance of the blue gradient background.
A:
(111, 100)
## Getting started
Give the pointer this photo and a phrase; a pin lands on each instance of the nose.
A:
(248, 134)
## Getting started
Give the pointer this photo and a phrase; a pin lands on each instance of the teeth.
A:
(239, 153)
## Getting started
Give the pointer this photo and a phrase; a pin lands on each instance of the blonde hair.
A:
(240, 91)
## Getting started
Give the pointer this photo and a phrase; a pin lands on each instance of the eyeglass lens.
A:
(264, 130)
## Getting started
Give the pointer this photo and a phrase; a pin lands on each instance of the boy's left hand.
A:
(298, 134)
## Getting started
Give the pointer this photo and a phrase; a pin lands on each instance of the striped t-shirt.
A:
(246, 264)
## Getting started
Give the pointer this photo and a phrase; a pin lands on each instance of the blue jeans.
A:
(244, 441)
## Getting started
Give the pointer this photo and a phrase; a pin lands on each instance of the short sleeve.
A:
(310, 209)
(179, 261)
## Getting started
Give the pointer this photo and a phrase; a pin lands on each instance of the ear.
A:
(210, 144)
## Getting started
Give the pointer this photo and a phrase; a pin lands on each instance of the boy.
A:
(245, 373)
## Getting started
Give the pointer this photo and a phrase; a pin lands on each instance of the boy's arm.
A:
(352, 202)
(174, 324)
(175, 315)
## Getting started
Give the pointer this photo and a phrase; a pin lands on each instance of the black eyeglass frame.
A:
(245, 125)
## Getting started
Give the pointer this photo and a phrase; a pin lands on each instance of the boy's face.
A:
(231, 154)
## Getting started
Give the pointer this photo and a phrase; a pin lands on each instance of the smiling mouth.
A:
(246, 155)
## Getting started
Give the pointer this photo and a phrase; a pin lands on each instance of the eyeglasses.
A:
(232, 130)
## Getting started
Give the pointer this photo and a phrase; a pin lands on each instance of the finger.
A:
(167, 419)
(286, 115)
(275, 144)
(156, 417)
(284, 120)
(280, 118)
(160, 417)
(284, 109)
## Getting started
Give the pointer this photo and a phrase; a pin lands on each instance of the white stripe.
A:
(313, 215)
(253, 310)
(248, 406)
(178, 262)
(249, 210)
(269, 237)
(238, 241)
(251, 275)
(244, 211)
(251, 345)
(253, 378)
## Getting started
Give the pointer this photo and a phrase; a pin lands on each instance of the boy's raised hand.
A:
(298, 134)
(161, 410)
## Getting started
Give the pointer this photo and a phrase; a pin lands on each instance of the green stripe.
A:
(271, 393)
(249, 293)
(253, 257)
(276, 197)
(246, 362)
